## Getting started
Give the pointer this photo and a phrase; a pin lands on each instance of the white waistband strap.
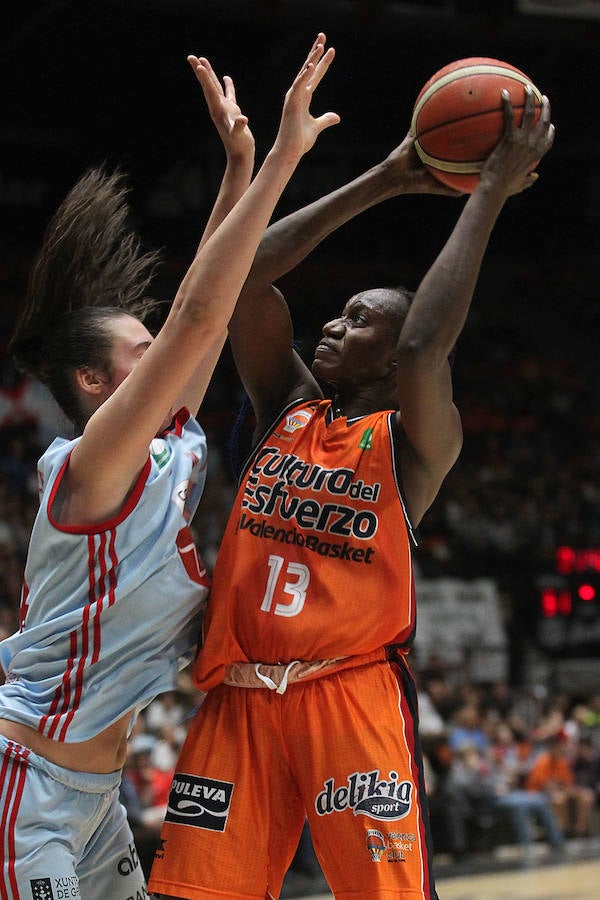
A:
(275, 676)
(282, 686)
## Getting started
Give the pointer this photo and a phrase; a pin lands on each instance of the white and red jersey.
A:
(315, 562)
(110, 612)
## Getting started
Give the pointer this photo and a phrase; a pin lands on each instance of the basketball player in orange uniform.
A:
(310, 706)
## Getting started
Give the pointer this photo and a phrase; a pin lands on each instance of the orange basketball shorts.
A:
(340, 749)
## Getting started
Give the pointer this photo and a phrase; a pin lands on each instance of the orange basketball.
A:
(458, 117)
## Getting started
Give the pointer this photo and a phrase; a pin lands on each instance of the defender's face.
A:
(357, 348)
(130, 341)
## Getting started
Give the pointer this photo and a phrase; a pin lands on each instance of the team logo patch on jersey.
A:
(376, 844)
(392, 846)
(41, 889)
(201, 802)
(366, 793)
(59, 887)
(160, 452)
(296, 420)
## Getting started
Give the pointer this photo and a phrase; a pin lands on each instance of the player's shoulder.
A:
(56, 453)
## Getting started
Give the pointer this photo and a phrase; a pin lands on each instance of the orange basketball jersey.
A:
(315, 562)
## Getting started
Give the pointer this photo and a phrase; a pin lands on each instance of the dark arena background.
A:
(508, 569)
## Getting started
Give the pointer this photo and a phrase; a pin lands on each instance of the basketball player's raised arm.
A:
(238, 143)
(260, 330)
(438, 312)
(131, 416)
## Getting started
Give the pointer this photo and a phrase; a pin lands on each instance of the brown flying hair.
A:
(89, 270)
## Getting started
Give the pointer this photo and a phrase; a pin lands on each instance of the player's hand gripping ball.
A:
(458, 117)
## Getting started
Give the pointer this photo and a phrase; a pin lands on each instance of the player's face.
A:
(131, 339)
(358, 347)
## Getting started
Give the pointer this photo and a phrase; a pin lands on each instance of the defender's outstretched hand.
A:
(298, 129)
(509, 168)
(227, 116)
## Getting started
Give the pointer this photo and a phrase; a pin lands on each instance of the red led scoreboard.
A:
(568, 619)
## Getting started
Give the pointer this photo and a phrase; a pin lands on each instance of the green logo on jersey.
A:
(160, 452)
(366, 440)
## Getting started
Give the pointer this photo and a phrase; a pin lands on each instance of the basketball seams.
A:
(471, 117)
(465, 72)
(472, 167)
(466, 167)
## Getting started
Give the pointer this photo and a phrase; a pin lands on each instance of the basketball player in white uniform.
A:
(113, 587)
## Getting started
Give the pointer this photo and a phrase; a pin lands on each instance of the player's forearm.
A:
(441, 304)
(236, 179)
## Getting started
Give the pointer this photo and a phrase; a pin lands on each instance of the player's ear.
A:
(90, 380)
